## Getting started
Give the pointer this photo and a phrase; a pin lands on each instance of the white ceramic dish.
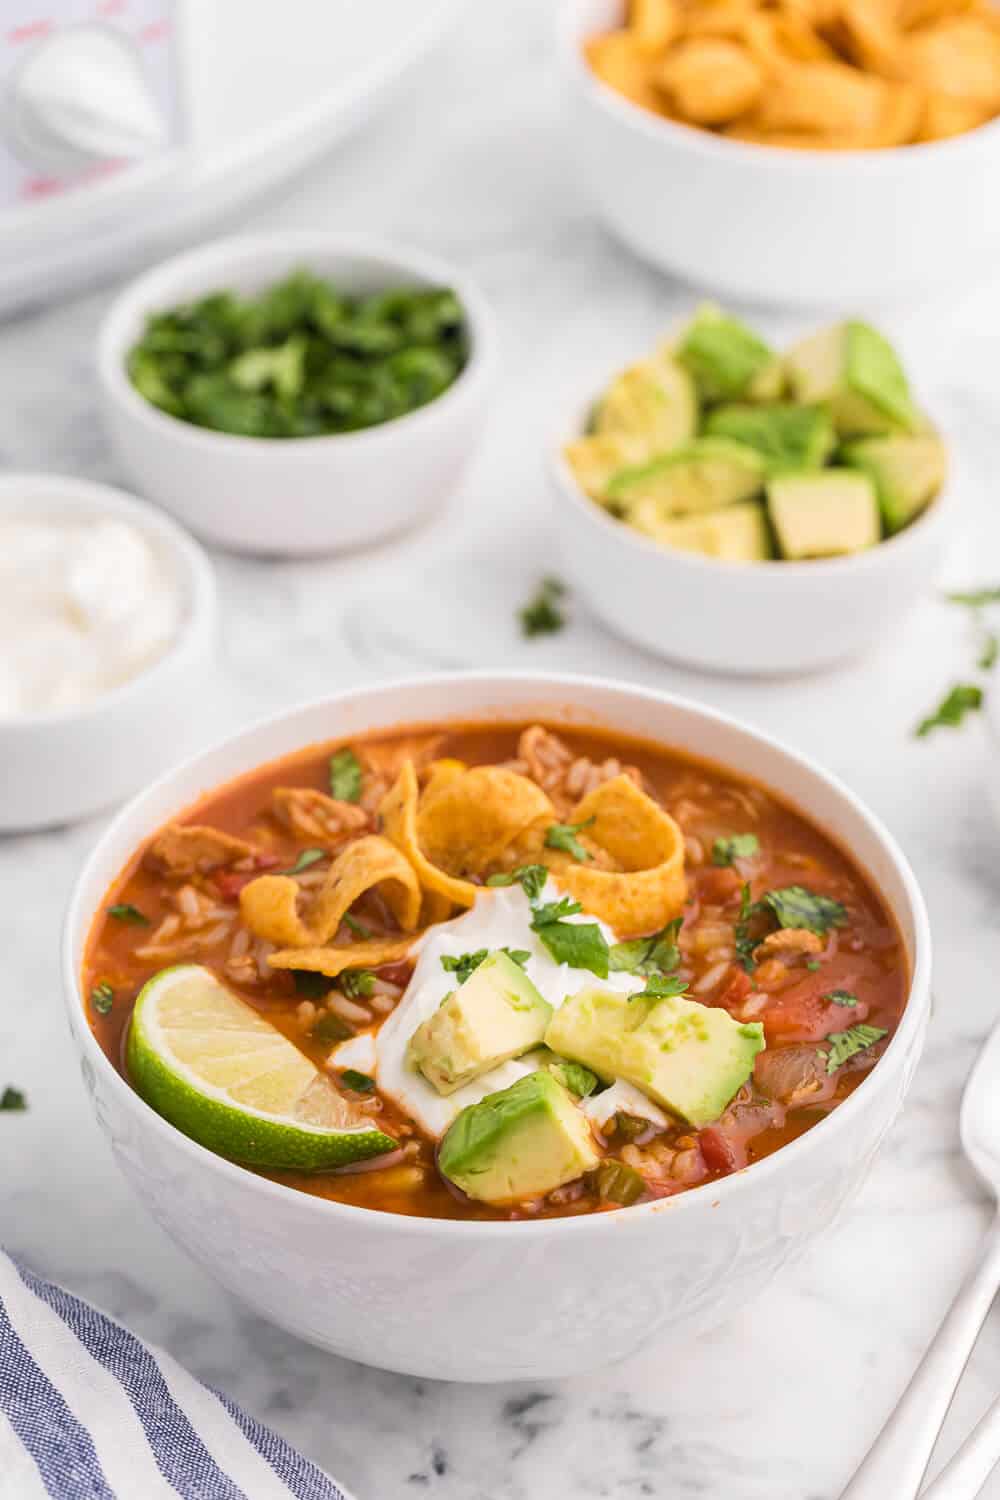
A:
(64, 765)
(771, 225)
(760, 619)
(266, 90)
(499, 1301)
(293, 496)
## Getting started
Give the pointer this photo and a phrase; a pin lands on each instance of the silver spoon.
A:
(897, 1460)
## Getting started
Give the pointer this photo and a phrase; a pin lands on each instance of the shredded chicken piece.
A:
(566, 778)
(789, 944)
(193, 849)
(381, 764)
(310, 814)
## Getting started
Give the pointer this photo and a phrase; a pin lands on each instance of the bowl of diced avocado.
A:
(270, 390)
(718, 483)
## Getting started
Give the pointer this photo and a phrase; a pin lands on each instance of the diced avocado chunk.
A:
(595, 460)
(739, 533)
(518, 1143)
(788, 436)
(703, 475)
(828, 514)
(907, 473)
(652, 404)
(690, 1058)
(726, 359)
(495, 1015)
(857, 373)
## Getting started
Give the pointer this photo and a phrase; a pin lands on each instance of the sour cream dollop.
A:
(85, 605)
(501, 917)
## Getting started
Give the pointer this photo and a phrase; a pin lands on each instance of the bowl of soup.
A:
(490, 1026)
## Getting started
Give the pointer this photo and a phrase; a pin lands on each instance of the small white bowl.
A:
(293, 496)
(457, 1300)
(758, 619)
(64, 765)
(769, 224)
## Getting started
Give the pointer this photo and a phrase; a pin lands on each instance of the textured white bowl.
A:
(499, 1301)
(757, 619)
(773, 225)
(293, 496)
(59, 766)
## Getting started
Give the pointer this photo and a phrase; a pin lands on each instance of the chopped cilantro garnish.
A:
(124, 912)
(582, 945)
(357, 983)
(726, 851)
(795, 906)
(531, 878)
(976, 598)
(989, 647)
(306, 858)
(311, 986)
(102, 997)
(658, 954)
(845, 1044)
(360, 1083)
(542, 615)
(813, 965)
(345, 776)
(574, 1076)
(742, 939)
(12, 1098)
(331, 1028)
(467, 963)
(662, 987)
(358, 928)
(563, 836)
(964, 697)
(841, 997)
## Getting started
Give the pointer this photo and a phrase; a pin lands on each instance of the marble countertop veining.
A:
(779, 1405)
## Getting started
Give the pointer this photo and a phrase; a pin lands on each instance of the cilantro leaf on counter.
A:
(542, 615)
(963, 698)
(13, 1099)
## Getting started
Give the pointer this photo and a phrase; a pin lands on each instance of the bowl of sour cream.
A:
(107, 625)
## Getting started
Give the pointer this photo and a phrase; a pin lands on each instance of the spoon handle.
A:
(964, 1475)
(898, 1458)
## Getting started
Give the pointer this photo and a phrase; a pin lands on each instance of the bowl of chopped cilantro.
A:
(299, 392)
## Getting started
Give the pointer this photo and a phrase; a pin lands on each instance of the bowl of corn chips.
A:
(803, 152)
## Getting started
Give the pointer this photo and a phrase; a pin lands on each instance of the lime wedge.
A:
(226, 1077)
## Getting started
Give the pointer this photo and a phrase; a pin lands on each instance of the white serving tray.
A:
(268, 85)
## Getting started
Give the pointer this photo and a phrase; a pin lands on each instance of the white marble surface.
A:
(781, 1404)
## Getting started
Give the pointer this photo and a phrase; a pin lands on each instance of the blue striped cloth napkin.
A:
(90, 1412)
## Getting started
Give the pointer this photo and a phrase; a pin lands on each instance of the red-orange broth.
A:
(792, 1088)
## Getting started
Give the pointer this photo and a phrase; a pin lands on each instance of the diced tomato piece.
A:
(802, 1014)
(737, 990)
(723, 1153)
(231, 882)
(718, 886)
(397, 973)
